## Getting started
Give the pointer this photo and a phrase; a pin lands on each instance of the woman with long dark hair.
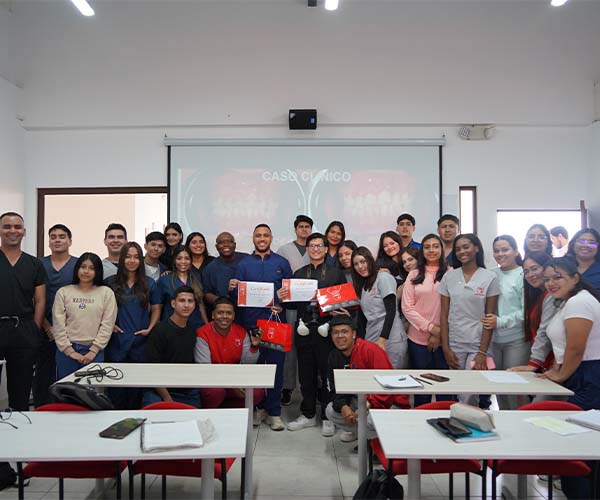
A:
(421, 304)
(138, 302)
(537, 239)
(334, 234)
(388, 255)
(83, 317)
(182, 276)
(575, 335)
(174, 236)
(196, 244)
(377, 293)
(345, 258)
(584, 248)
(539, 309)
(509, 345)
(469, 292)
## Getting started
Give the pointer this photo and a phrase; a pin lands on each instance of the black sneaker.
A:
(286, 397)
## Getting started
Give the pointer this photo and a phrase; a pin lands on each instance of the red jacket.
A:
(365, 356)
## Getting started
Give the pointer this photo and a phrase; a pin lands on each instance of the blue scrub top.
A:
(56, 280)
(167, 285)
(216, 276)
(592, 275)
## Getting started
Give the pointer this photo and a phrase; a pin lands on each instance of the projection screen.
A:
(234, 185)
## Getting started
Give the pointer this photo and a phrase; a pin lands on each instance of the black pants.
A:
(45, 371)
(19, 346)
(313, 353)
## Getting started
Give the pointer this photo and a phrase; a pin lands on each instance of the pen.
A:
(423, 381)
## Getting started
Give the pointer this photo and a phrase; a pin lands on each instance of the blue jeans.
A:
(272, 403)
(191, 397)
(65, 365)
(423, 359)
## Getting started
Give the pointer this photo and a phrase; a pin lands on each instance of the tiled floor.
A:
(294, 465)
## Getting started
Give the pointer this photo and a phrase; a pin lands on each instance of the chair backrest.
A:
(169, 405)
(436, 405)
(551, 406)
(61, 407)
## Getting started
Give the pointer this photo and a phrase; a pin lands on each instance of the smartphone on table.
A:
(122, 428)
(435, 377)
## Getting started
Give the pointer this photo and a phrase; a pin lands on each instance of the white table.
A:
(38, 442)
(150, 375)
(363, 383)
(406, 434)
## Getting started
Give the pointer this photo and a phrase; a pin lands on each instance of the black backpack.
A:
(379, 485)
(70, 392)
(8, 476)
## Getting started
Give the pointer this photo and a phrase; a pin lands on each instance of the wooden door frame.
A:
(43, 192)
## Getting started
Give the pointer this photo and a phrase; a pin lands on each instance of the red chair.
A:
(71, 470)
(541, 467)
(399, 467)
(180, 468)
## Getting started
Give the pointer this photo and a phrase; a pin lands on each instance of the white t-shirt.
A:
(583, 305)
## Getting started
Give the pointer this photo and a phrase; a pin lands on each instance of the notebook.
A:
(590, 418)
(165, 436)
(398, 381)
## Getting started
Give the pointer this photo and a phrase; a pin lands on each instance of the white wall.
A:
(594, 179)
(101, 93)
(11, 150)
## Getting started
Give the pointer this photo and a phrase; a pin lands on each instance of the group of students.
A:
(427, 305)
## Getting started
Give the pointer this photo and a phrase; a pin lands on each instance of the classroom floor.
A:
(293, 465)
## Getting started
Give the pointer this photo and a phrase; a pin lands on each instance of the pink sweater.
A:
(421, 305)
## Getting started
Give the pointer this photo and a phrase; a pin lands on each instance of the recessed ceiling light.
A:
(558, 3)
(331, 4)
(84, 7)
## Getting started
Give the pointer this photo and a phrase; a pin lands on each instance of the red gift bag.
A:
(276, 335)
(337, 297)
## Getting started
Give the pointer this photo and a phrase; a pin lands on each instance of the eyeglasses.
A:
(556, 277)
(589, 243)
(4, 419)
(341, 333)
(316, 246)
(538, 237)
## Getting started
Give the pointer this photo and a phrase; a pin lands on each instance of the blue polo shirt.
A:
(56, 280)
(216, 276)
(272, 268)
(413, 243)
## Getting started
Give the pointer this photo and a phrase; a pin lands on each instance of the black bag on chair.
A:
(70, 392)
(379, 485)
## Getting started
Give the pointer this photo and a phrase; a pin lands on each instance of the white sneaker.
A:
(259, 416)
(276, 423)
(348, 437)
(327, 429)
(301, 422)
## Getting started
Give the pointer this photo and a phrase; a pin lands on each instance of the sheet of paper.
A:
(162, 436)
(504, 377)
(255, 294)
(300, 290)
(398, 381)
(557, 426)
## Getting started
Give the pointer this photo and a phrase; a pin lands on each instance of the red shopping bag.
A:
(276, 335)
(337, 297)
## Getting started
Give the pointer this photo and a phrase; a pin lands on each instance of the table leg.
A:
(414, 478)
(522, 486)
(362, 437)
(248, 491)
(207, 486)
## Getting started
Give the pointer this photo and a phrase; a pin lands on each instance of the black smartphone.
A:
(435, 377)
(454, 427)
(122, 428)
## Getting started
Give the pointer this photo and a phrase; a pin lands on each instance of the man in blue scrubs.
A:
(59, 266)
(264, 265)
